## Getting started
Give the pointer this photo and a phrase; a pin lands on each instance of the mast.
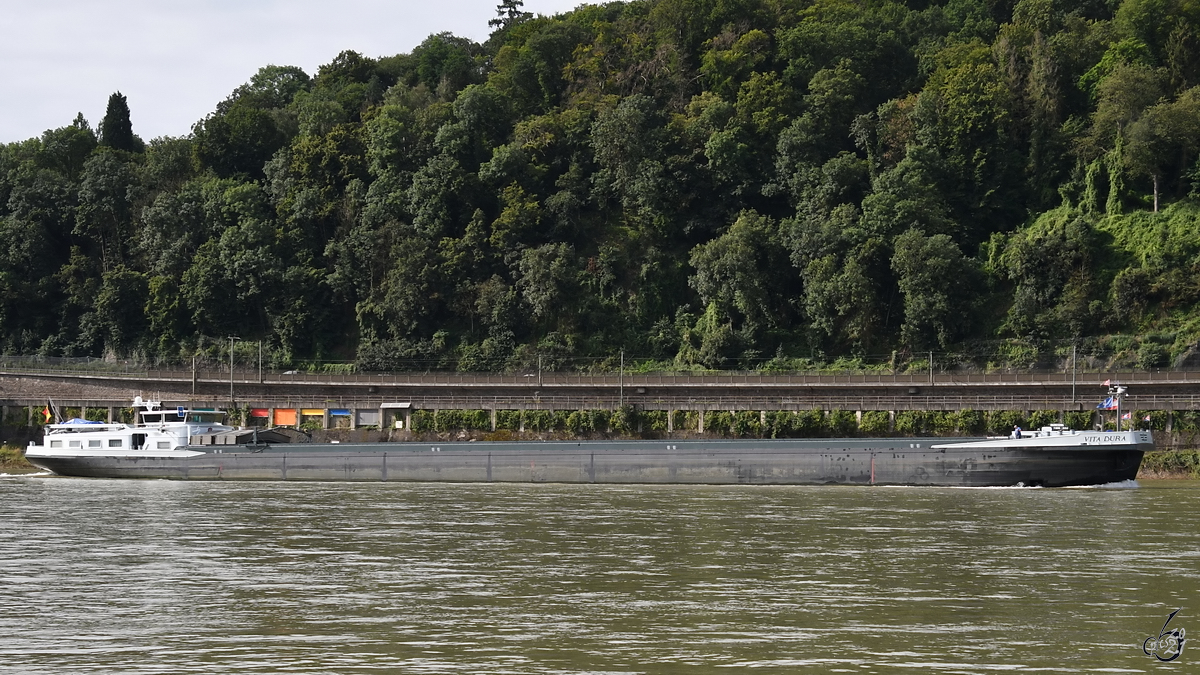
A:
(1117, 392)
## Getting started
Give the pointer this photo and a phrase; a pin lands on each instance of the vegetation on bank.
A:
(1171, 464)
(12, 460)
(701, 183)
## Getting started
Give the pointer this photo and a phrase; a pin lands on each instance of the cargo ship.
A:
(187, 444)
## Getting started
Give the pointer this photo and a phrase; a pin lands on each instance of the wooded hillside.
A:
(704, 183)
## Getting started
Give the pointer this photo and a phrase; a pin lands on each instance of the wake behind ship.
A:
(171, 444)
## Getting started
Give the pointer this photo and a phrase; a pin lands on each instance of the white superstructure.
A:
(1057, 436)
(156, 433)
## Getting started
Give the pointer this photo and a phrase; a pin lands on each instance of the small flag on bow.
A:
(1127, 416)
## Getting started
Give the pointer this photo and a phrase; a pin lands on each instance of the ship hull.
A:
(858, 461)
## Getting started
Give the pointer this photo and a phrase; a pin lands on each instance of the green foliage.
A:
(654, 420)
(746, 424)
(1042, 418)
(875, 423)
(1001, 422)
(625, 420)
(685, 420)
(971, 422)
(423, 421)
(13, 459)
(462, 420)
(800, 424)
(910, 422)
(508, 420)
(718, 422)
(1078, 420)
(116, 129)
(1178, 462)
(1186, 421)
(842, 423)
(96, 414)
(700, 185)
(580, 423)
(539, 420)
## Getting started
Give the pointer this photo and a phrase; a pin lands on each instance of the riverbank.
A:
(1171, 465)
(12, 460)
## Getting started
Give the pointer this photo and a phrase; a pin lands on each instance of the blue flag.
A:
(1107, 404)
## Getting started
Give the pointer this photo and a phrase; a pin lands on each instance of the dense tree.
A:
(116, 129)
(714, 182)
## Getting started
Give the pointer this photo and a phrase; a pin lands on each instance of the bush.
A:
(624, 420)
(1150, 356)
(780, 424)
(422, 421)
(1173, 461)
(539, 420)
(13, 458)
(1187, 420)
(654, 420)
(580, 422)
(1042, 418)
(508, 420)
(463, 420)
(971, 422)
(910, 422)
(941, 423)
(1080, 420)
(874, 422)
(1001, 422)
(747, 423)
(685, 420)
(1158, 420)
(811, 424)
(841, 423)
(718, 422)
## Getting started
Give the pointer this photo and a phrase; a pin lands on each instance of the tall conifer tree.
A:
(116, 131)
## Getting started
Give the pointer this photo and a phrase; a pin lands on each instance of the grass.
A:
(12, 460)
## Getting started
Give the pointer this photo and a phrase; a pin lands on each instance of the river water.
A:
(107, 576)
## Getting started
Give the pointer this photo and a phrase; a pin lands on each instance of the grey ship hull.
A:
(904, 461)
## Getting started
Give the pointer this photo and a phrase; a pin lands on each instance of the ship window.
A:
(95, 444)
(114, 443)
(164, 445)
(75, 444)
(56, 444)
